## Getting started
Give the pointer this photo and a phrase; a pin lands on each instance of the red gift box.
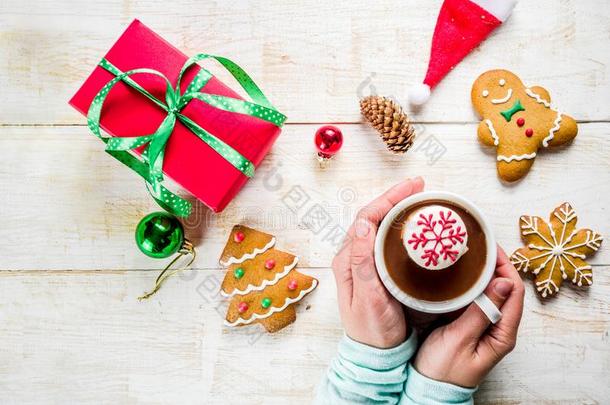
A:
(188, 160)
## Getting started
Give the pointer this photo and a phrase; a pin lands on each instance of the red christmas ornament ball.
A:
(328, 141)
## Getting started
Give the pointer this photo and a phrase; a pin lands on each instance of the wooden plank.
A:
(313, 58)
(68, 205)
(84, 336)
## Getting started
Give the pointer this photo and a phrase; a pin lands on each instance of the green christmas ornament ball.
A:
(159, 235)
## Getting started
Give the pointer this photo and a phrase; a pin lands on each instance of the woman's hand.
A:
(369, 313)
(464, 351)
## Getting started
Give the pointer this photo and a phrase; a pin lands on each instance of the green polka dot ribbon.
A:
(150, 164)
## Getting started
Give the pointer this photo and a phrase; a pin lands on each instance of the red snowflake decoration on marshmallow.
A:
(436, 235)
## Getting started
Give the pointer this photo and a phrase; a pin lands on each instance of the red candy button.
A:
(292, 285)
(242, 307)
(269, 264)
(239, 237)
(521, 122)
(529, 132)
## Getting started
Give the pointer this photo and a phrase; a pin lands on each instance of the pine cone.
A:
(390, 121)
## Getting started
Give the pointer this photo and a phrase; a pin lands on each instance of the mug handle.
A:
(489, 308)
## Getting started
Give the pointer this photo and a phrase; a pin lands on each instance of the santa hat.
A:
(461, 26)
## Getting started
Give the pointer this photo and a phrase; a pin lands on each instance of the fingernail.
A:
(503, 287)
(362, 228)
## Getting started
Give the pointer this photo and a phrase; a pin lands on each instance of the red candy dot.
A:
(292, 285)
(242, 307)
(521, 122)
(269, 264)
(239, 237)
(529, 132)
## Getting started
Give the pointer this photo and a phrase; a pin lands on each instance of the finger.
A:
(502, 336)
(362, 260)
(341, 266)
(513, 307)
(343, 273)
(379, 207)
(504, 268)
(501, 257)
(343, 281)
(473, 322)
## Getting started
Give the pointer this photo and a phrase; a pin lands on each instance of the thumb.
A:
(362, 260)
(473, 322)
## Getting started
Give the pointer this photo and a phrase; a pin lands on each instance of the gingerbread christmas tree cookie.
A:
(261, 281)
(556, 251)
(518, 121)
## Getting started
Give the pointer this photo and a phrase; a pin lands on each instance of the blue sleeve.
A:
(420, 390)
(361, 374)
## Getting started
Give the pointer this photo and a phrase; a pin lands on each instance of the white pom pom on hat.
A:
(419, 94)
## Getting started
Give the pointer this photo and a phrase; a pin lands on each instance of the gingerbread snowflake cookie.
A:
(518, 121)
(556, 251)
(261, 282)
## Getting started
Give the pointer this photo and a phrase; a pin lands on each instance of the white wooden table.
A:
(71, 329)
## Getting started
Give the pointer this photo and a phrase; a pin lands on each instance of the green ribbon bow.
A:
(150, 164)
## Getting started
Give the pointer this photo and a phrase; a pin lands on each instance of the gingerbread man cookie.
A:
(517, 120)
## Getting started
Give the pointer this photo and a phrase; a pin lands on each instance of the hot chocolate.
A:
(435, 251)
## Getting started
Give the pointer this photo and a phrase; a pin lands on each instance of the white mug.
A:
(475, 293)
